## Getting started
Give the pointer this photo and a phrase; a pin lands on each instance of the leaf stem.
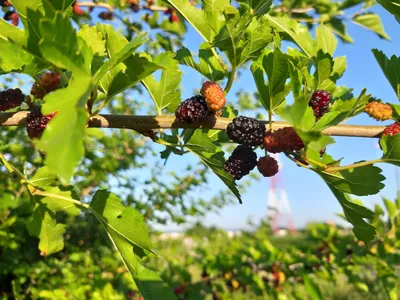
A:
(297, 162)
(101, 106)
(230, 80)
(10, 168)
(353, 166)
(35, 191)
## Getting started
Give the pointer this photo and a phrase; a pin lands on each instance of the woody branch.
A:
(146, 123)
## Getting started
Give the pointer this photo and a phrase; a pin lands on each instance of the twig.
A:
(146, 123)
(92, 4)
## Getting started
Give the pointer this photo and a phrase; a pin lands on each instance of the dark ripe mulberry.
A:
(11, 98)
(48, 82)
(192, 110)
(246, 131)
(36, 123)
(106, 15)
(5, 3)
(242, 160)
(319, 102)
(268, 166)
(283, 140)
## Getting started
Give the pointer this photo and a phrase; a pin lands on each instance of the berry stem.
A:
(353, 166)
(146, 123)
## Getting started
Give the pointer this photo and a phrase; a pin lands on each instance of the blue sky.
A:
(309, 197)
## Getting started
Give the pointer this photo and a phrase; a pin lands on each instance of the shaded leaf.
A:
(391, 69)
(212, 156)
(355, 214)
(130, 236)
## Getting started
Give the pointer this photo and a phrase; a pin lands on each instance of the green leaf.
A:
(299, 115)
(349, 3)
(371, 22)
(14, 57)
(355, 214)
(298, 33)
(118, 57)
(325, 40)
(212, 156)
(324, 67)
(391, 6)
(340, 29)
(64, 148)
(258, 7)
(205, 22)
(339, 66)
(391, 69)
(312, 288)
(314, 139)
(31, 13)
(58, 5)
(60, 44)
(133, 69)
(390, 207)
(360, 181)
(94, 39)
(44, 178)
(53, 200)
(256, 37)
(232, 39)
(165, 92)
(45, 227)
(44, 224)
(391, 149)
(209, 65)
(7, 200)
(130, 236)
(275, 65)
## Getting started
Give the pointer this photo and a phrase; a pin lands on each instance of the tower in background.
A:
(279, 213)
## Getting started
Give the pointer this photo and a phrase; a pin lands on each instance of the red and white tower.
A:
(279, 212)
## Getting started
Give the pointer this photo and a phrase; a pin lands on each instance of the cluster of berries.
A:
(211, 100)
(250, 133)
(11, 14)
(36, 122)
(47, 83)
(11, 98)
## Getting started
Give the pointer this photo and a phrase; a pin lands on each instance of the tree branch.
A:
(93, 4)
(147, 123)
